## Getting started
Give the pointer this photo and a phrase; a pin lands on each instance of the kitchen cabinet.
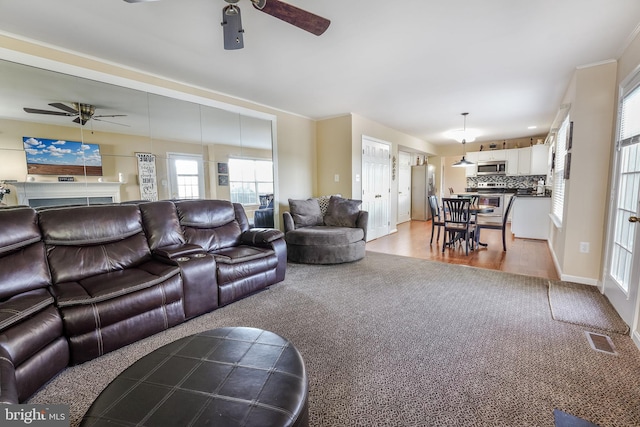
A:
(512, 161)
(530, 219)
(524, 161)
(485, 156)
(539, 160)
(473, 158)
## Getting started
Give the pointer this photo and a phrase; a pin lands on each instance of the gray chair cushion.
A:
(324, 236)
(305, 213)
(342, 212)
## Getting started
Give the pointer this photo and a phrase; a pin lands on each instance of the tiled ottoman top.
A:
(222, 377)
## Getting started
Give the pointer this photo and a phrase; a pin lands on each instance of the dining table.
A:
(480, 209)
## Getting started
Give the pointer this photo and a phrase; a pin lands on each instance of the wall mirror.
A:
(83, 141)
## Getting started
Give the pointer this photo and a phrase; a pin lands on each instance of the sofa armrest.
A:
(8, 384)
(362, 222)
(169, 253)
(288, 223)
(260, 236)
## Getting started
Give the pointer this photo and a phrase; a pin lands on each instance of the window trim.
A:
(254, 159)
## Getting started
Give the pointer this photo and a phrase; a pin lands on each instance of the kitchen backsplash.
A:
(529, 181)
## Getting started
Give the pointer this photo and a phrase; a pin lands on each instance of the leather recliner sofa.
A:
(77, 282)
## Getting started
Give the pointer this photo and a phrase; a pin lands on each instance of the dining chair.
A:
(480, 224)
(457, 223)
(436, 218)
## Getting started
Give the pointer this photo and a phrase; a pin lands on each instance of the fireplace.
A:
(37, 194)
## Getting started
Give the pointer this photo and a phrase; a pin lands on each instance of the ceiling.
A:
(414, 66)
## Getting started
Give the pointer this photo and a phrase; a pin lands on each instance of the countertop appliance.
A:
(423, 185)
(496, 167)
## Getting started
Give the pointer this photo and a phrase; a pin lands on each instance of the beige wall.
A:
(334, 156)
(592, 95)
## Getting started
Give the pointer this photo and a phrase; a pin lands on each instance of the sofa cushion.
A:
(305, 213)
(342, 212)
(113, 284)
(321, 235)
(22, 306)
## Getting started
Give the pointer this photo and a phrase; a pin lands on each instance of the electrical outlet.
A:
(584, 247)
(336, 178)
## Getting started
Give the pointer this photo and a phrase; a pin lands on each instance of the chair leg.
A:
(432, 230)
(437, 238)
(504, 241)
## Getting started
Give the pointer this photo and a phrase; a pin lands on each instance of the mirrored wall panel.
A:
(66, 140)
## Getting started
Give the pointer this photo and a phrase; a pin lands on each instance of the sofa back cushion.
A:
(90, 240)
(161, 224)
(305, 213)
(23, 262)
(342, 212)
(210, 224)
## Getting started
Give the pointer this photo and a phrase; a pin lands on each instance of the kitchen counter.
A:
(530, 219)
(548, 196)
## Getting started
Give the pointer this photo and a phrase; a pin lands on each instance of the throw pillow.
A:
(342, 212)
(305, 212)
(324, 203)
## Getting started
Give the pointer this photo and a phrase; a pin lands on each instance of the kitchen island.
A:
(530, 218)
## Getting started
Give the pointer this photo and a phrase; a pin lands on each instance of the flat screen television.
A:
(58, 157)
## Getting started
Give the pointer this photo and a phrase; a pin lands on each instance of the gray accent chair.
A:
(332, 237)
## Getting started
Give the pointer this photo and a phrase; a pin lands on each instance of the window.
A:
(248, 179)
(557, 208)
(186, 176)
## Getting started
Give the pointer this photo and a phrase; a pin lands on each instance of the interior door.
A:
(622, 272)
(375, 185)
(404, 186)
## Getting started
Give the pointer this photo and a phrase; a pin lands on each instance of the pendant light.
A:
(463, 163)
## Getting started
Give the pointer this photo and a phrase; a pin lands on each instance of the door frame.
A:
(617, 296)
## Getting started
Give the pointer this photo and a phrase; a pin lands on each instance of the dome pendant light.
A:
(463, 163)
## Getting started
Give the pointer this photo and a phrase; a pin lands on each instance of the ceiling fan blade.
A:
(109, 115)
(52, 113)
(107, 121)
(295, 16)
(64, 107)
(138, 1)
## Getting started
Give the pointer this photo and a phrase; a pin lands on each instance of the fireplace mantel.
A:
(36, 194)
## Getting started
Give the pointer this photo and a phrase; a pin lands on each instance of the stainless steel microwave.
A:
(497, 167)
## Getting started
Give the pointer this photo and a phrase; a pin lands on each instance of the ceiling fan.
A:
(82, 112)
(232, 25)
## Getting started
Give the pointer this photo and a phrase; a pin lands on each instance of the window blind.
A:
(558, 175)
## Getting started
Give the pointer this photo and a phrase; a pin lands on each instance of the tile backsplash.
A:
(526, 181)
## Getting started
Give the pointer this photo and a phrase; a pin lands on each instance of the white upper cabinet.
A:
(524, 161)
(539, 160)
(512, 162)
(473, 158)
(484, 156)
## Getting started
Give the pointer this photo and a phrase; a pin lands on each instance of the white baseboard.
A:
(567, 277)
(635, 335)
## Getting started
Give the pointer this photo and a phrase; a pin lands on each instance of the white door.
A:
(622, 271)
(375, 185)
(404, 186)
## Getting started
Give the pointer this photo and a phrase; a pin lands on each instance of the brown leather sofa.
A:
(77, 282)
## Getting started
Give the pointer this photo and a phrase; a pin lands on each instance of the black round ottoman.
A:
(223, 377)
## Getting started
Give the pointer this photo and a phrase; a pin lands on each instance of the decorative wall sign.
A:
(567, 165)
(223, 168)
(147, 176)
(223, 180)
(570, 136)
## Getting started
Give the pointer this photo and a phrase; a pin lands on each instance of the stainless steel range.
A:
(489, 196)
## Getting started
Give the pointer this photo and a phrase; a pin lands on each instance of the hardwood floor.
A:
(523, 256)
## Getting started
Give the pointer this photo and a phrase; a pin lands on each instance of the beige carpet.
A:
(394, 341)
(585, 306)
